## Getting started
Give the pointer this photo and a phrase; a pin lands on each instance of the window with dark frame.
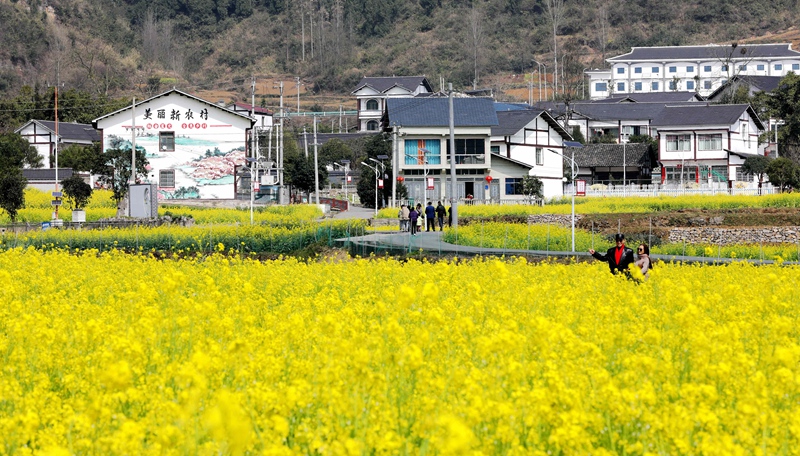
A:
(372, 105)
(166, 178)
(514, 186)
(166, 141)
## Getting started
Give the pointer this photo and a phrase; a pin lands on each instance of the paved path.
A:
(396, 243)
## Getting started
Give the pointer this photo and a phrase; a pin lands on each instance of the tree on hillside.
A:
(783, 173)
(757, 165)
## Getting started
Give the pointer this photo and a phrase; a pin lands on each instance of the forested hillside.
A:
(124, 47)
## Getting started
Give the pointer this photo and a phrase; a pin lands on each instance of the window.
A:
(372, 105)
(724, 67)
(620, 87)
(742, 175)
(680, 174)
(513, 186)
(495, 149)
(676, 143)
(620, 70)
(539, 156)
(759, 67)
(707, 85)
(719, 173)
(166, 141)
(423, 151)
(689, 85)
(778, 67)
(166, 178)
(745, 135)
(471, 151)
(655, 86)
(673, 85)
(707, 68)
(600, 87)
(709, 142)
(656, 69)
(795, 66)
(637, 70)
(742, 67)
(372, 125)
(637, 86)
(690, 69)
(673, 69)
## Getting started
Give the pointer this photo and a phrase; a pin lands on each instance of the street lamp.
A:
(623, 137)
(424, 160)
(376, 185)
(383, 170)
(344, 166)
(539, 72)
(574, 168)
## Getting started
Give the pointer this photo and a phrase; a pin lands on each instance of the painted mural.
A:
(209, 142)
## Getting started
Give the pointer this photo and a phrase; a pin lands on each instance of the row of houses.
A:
(196, 147)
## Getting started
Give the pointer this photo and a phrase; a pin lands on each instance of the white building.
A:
(372, 94)
(422, 150)
(534, 138)
(193, 146)
(706, 144)
(42, 136)
(702, 69)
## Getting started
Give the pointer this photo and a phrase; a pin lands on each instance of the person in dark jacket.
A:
(412, 217)
(440, 212)
(618, 258)
(430, 217)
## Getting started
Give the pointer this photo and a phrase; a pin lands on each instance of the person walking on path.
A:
(440, 212)
(404, 217)
(430, 217)
(644, 262)
(412, 218)
(450, 215)
(618, 258)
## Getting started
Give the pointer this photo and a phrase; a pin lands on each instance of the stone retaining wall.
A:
(554, 219)
(728, 236)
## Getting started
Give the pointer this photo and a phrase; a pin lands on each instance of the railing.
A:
(658, 190)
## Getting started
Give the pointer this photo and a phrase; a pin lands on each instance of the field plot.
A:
(112, 353)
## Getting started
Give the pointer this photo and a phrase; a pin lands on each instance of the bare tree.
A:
(601, 28)
(477, 41)
(555, 12)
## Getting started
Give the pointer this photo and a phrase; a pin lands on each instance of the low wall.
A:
(729, 236)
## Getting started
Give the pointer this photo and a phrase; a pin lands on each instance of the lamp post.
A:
(376, 185)
(623, 137)
(574, 168)
(253, 170)
(344, 167)
(383, 170)
(424, 160)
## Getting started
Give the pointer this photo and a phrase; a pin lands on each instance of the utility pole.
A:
(316, 164)
(55, 194)
(395, 162)
(133, 156)
(453, 196)
(305, 137)
(279, 144)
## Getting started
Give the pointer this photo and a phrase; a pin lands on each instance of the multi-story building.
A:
(372, 94)
(702, 69)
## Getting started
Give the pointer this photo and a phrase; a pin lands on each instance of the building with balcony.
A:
(372, 94)
(701, 69)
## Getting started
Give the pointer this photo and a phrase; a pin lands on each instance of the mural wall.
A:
(193, 146)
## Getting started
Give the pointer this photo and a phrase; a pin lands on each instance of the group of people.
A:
(414, 218)
(620, 257)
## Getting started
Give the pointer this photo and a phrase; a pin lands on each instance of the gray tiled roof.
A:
(700, 114)
(618, 111)
(435, 112)
(382, 84)
(511, 122)
(46, 174)
(601, 155)
(664, 97)
(71, 132)
(707, 52)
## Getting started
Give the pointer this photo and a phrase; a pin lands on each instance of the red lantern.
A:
(400, 178)
(489, 179)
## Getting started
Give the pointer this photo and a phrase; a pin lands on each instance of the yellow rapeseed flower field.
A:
(110, 353)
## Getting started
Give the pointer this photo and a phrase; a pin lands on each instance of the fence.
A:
(659, 190)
